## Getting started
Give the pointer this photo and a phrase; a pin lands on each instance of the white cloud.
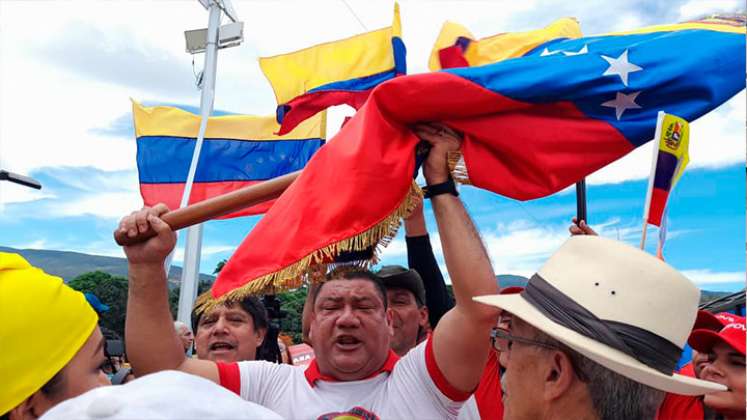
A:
(695, 9)
(704, 277)
(109, 205)
(716, 140)
(12, 193)
(396, 249)
(205, 252)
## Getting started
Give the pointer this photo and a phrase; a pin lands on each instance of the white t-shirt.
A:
(407, 388)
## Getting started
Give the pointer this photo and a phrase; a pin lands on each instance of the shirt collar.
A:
(313, 374)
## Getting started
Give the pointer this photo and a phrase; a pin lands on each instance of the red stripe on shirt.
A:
(438, 377)
(229, 375)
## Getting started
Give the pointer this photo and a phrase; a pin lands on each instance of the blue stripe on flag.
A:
(163, 159)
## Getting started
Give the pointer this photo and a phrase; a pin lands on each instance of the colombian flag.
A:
(335, 73)
(670, 160)
(238, 150)
(457, 47)
(532, 126)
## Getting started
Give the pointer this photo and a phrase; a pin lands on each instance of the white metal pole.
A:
(191, 268)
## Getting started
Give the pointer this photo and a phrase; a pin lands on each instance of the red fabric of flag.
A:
(356, 188)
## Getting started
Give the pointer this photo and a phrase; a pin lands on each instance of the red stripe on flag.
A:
(530, 154)
(305, 106)
(656, 208)
(171, 195)
(451, 57)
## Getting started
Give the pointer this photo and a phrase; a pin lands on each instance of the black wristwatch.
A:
(447, 187)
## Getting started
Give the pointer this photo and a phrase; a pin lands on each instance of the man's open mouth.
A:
(347, 342)
(221, 346)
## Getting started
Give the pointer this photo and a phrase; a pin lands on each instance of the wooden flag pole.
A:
(643, 236)
(215, 207)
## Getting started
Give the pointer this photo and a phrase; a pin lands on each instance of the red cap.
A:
(733, 335)
(709, 321)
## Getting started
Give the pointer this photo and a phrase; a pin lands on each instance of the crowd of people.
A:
(582, 338)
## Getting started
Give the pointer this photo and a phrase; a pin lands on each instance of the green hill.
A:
(70, 265)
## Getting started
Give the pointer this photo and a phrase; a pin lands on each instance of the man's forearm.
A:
(467, 262)
(152, 343)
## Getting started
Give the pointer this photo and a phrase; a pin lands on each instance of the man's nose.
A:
(348, 318)
(220, 326)
(712, 369)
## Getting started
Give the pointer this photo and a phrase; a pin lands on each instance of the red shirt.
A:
(681, 407)
(488, 394)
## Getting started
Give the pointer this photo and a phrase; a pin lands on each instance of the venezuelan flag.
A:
(238, 150)
(335, 73)
(670, 160)
(457, 47)
(532, 125)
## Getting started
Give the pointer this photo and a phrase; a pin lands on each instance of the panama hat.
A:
(595, 293)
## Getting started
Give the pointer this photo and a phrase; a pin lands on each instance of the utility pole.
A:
(208, 41)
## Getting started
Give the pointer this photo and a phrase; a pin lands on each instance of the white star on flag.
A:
(547, 52)
(583, 50)
(623, 102)
(620, 66)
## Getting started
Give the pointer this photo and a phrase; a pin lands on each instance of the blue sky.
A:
(65, 118)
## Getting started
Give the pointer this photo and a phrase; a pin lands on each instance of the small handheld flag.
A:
(669, 162)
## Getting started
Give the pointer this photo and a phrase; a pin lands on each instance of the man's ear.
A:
(423, 312)
(260, 333)
(560, 376)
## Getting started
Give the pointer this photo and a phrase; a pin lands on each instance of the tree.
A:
(292, 303)
(202, 287)
(111, 291)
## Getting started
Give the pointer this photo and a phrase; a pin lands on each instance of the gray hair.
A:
(178, 325)
(613, 396)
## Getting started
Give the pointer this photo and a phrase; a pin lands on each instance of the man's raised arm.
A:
(461, 339)
(152, 343)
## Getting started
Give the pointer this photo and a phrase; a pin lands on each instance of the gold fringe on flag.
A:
(290, 277)
(458, 168)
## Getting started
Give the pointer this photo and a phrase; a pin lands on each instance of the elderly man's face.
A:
(350, 330)
(186, 337)
(524, 375)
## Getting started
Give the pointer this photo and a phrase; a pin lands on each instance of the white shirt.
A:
(406, 388)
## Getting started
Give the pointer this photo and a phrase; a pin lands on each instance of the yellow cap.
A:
(43, 324)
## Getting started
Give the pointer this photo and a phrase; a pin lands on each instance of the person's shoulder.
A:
(265, 365)
(675, 407)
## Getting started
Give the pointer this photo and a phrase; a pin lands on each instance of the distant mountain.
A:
(70, 265)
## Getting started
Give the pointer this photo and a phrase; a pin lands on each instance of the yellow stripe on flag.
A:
(175, 122)
(501, 46)
(296, 73)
